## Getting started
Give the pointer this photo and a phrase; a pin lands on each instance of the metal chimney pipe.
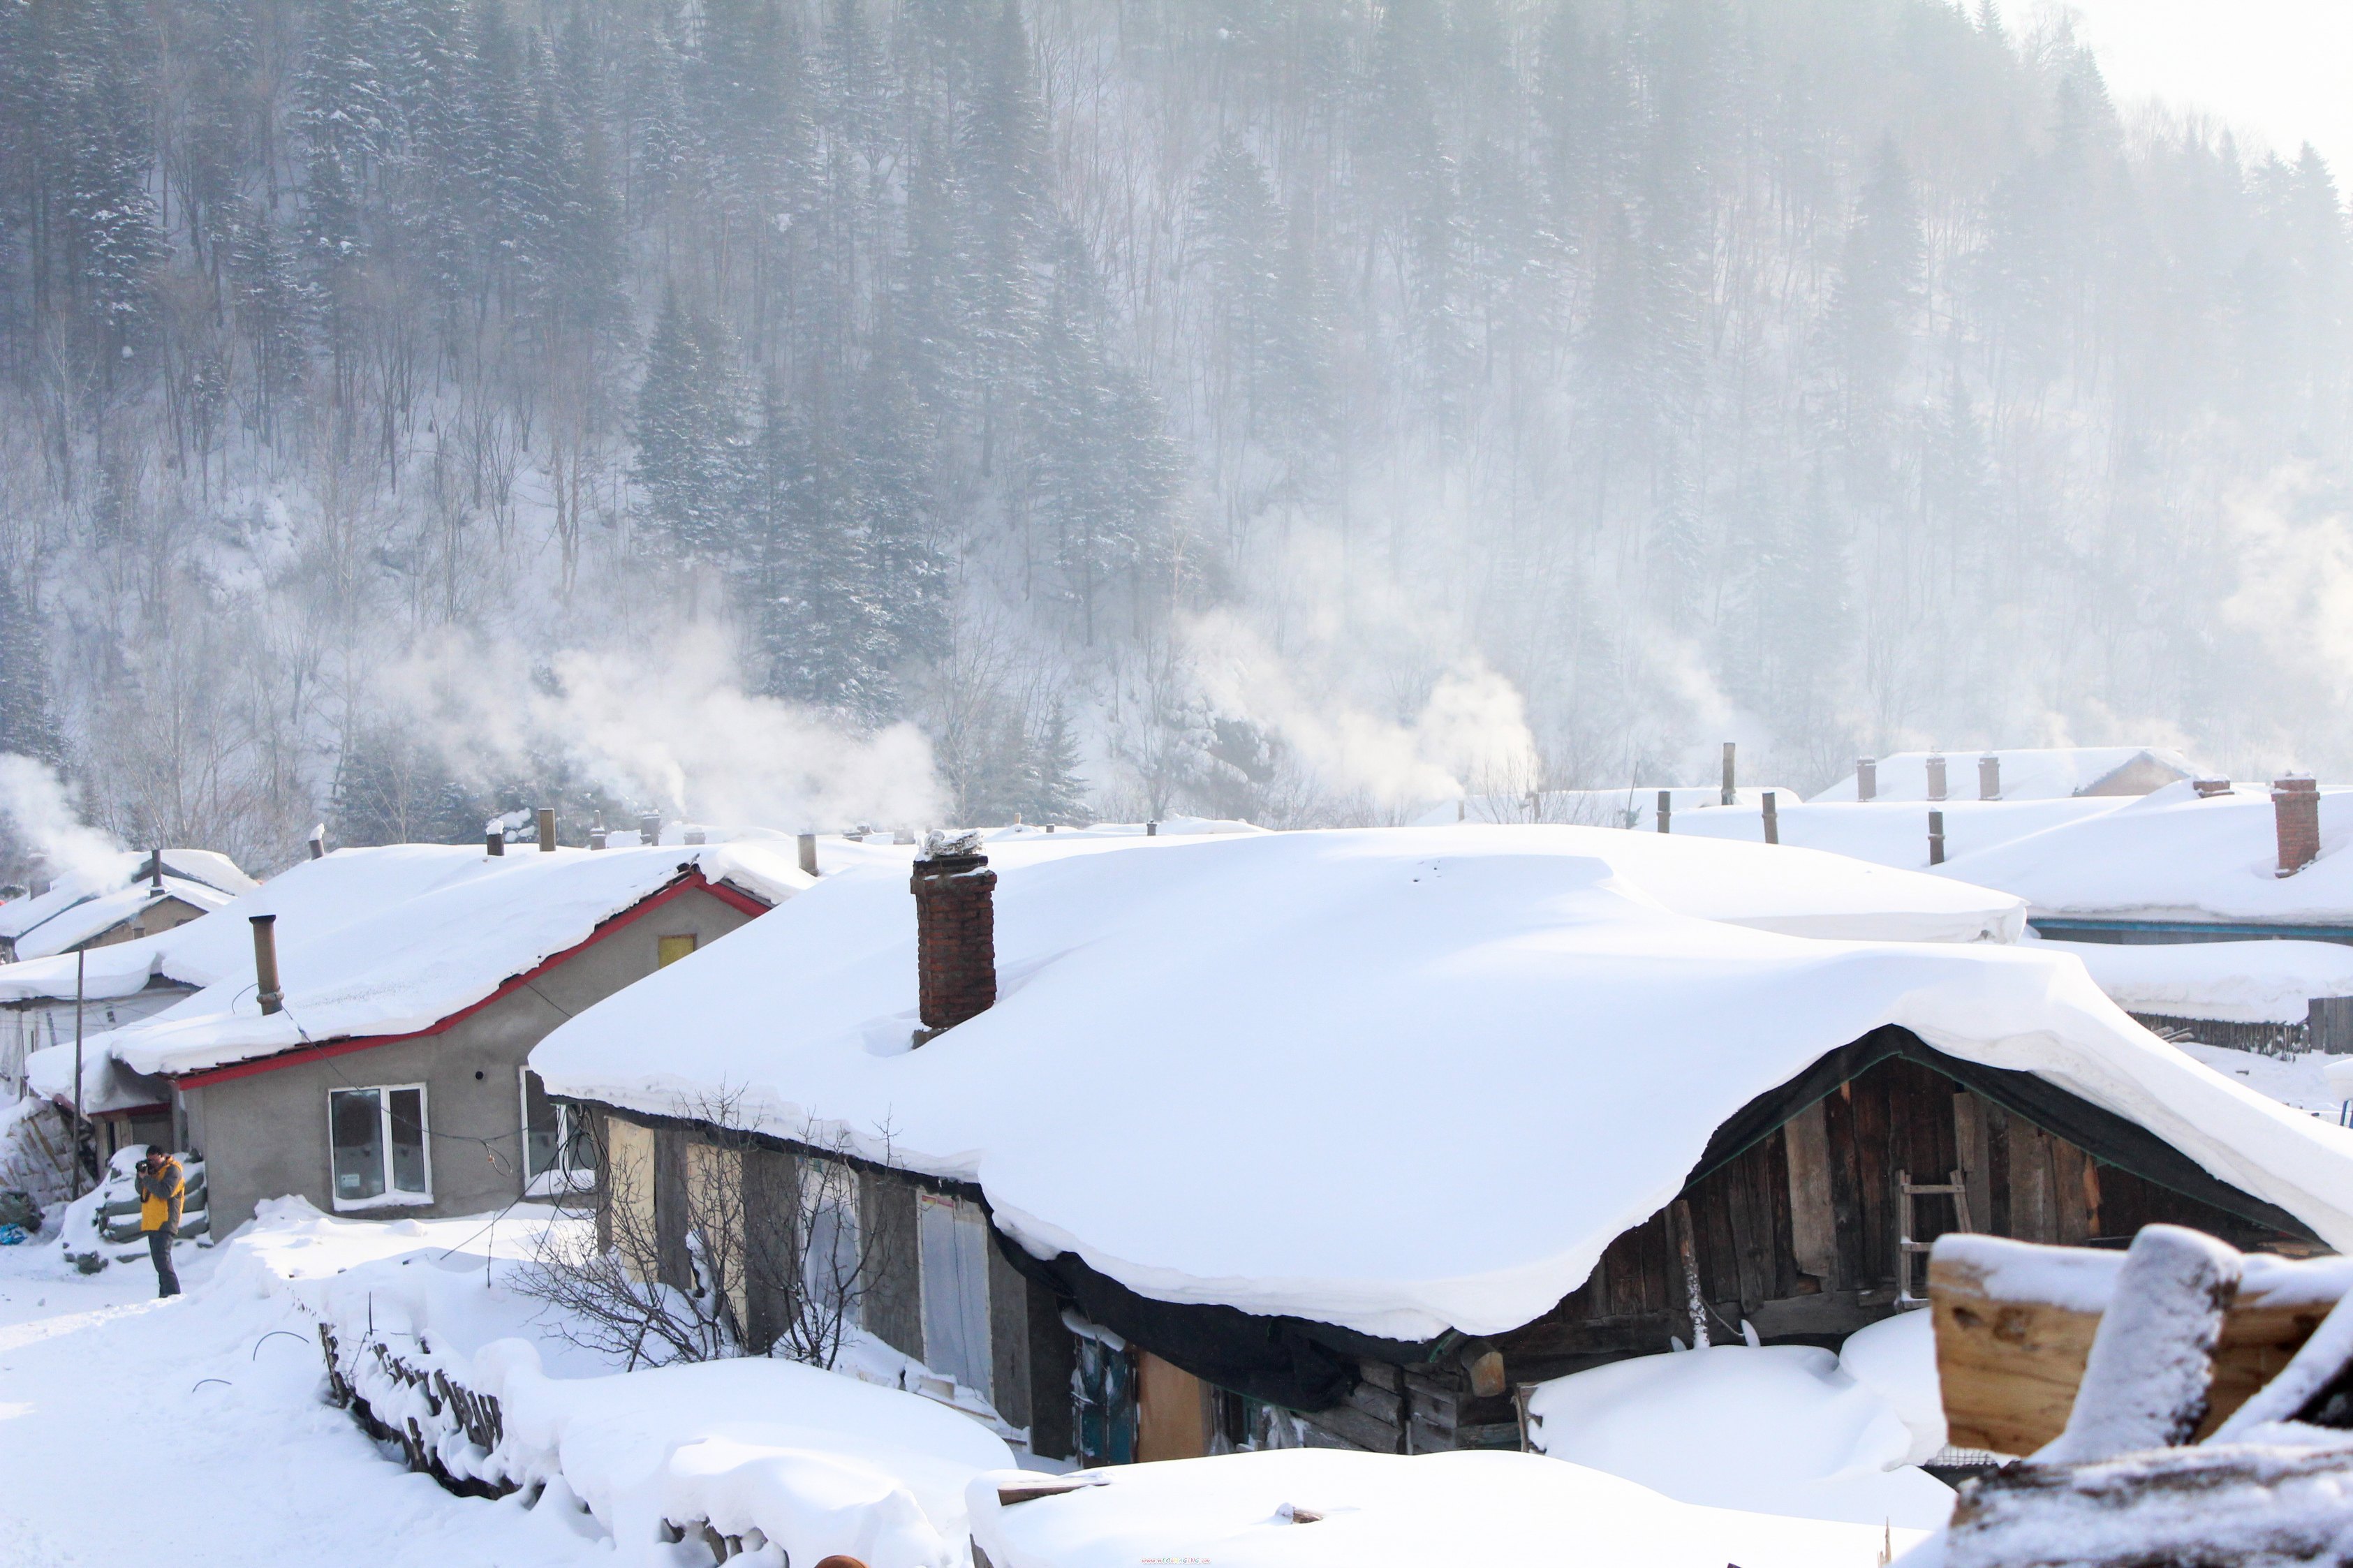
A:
(1935, 775)
(155, 869)
(649, 827)
(494, 839)
(1866, 778)
(264, 963)
(318, 842)
(547, 830)
(807, 846)
(1728, 791)
(1989, 777)
(1935, 837)
(1152, 830)
(1772, 819)
(596, 837)
(1666, 811)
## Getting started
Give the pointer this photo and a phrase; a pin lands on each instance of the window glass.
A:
(830, 1215)
(355, 1120)
(407, 1109)
(669, 950)
(579, 1156)
(951, 1237)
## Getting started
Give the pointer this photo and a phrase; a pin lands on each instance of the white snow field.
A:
(1498, 979)
(2262, 980)
(225, 1386)
(1319, 1507)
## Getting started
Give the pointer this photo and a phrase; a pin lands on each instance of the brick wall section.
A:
(955, 938)
(2295, 802)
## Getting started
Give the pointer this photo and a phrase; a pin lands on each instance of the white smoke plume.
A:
(42, 813)
(666, 723)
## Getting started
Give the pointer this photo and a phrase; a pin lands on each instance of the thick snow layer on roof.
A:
(1636, 805)
(2039, 773)
(1892, 833)
(28, 917)
(1197, 1043)
(465, 923)
(92, 918)
(1322, 1508)
(2257, 981)
(2172, 856)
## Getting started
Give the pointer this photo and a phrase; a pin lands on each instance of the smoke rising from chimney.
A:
(40, 808)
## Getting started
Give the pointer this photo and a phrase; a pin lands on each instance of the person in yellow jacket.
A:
(160, 1188)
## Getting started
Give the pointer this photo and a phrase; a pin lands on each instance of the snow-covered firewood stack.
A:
(2128, 1481)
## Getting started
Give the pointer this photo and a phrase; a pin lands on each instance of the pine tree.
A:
(1052, 789)
(28, 723)
(690, 436)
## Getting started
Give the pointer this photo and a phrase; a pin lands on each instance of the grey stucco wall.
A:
(266, 1134)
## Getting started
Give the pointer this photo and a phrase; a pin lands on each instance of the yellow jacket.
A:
(159, 1197)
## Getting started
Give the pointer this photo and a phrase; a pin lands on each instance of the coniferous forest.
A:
(812, 412)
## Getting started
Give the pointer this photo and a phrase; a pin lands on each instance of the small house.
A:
(129, 896)
(371, 1060)
(1339, 1138)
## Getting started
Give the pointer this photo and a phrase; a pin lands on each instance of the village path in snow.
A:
(193, 1432)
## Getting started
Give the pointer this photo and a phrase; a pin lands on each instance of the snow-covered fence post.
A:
(1936, 839)
(1772, 819)
(2152, 1364)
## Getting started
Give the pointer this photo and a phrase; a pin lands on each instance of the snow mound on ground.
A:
(1779, 1429)
(1896, 1358)
(816, 1461)
(1382, 1511)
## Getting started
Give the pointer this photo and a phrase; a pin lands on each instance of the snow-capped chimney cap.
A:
(952, 843)
(317, 841)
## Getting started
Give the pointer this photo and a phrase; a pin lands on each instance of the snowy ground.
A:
(2292, 1080)
(193, 1431)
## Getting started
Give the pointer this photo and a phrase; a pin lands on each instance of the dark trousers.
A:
(159, 1248)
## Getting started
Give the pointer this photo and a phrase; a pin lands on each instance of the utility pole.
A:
(81, 967)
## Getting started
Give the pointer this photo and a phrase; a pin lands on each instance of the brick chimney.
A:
(955, 932)
(2296, 804)
(1866, 778)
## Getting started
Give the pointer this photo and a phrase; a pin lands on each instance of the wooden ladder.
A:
(1906, 1247)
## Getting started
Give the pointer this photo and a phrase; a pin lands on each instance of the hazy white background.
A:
(2283, 68)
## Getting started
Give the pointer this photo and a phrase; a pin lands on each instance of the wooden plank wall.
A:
(1808, 1217)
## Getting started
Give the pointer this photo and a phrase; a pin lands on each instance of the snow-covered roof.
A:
(2172, 856)
(2258, 982)
(2038, 773)
(1197, 1047)
(396, 940)
(84, 904)
(1892, 833)
(1636, 806)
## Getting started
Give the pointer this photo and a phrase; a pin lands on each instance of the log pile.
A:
(2182, 1404)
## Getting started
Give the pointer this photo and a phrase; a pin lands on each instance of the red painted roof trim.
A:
(693, 881)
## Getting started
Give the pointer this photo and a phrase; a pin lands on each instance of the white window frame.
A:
(555, 1180)
(391, 1197)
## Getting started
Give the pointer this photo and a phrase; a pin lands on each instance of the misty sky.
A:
(2283, 67)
